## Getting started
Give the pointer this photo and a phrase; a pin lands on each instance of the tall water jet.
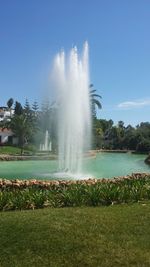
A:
(47, 145)
(71, 81)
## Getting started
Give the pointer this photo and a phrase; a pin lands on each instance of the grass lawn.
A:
(11, 150)
(103, 236)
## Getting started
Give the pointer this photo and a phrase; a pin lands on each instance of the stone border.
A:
(23, 158)
(9, 157)
(48, 184)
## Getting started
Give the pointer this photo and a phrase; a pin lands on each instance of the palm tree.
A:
(94, 102)
(22, 127)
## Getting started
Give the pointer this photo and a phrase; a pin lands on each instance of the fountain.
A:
(71, 82)
(47, 146)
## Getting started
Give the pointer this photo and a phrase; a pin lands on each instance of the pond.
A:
(104, 165)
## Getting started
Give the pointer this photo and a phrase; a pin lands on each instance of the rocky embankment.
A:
(55, 184)
(8, 157)
(17, 158)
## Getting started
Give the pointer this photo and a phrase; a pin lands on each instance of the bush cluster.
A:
(31, 195)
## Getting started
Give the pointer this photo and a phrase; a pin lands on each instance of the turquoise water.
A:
(103, 165)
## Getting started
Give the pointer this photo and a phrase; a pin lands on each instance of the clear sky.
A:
(118, 33)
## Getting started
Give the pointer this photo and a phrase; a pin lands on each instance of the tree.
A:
(94, 101)
(121, 124)
(9, 104)
(22, 124)
(97, 135)
(143, 146)
(35, 107)
(18, 108)
(27, 106)
(22, 128)
(28, 112)
(130, 138)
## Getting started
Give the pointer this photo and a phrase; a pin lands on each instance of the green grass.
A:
(103, 236)
(11, 150)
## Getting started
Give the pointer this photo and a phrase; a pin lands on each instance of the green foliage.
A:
(94, 101)
(30, 124)
(105, 192)
(35, 106)
(11, 150)
(109, 136)
(73, 196)
(10, 102)
(143, 146)
(18, 108)
(22, 127)
(31, 148)
(24, 124)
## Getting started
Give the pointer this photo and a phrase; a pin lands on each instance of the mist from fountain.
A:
(71, 82)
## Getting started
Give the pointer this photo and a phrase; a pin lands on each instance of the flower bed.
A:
(30, 194)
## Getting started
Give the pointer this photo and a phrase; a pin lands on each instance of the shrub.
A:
(143, 146)
(31, 195)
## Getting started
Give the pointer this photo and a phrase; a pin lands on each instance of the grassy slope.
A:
(107, 236)
(9, 150)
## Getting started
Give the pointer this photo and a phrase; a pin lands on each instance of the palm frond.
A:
(91, 85)
(97, 103)
(95, 95)
(92, 91)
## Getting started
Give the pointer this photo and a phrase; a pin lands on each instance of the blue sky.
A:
(118, 33)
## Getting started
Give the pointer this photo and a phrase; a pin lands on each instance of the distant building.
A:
(7, 136)
(6, 113)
